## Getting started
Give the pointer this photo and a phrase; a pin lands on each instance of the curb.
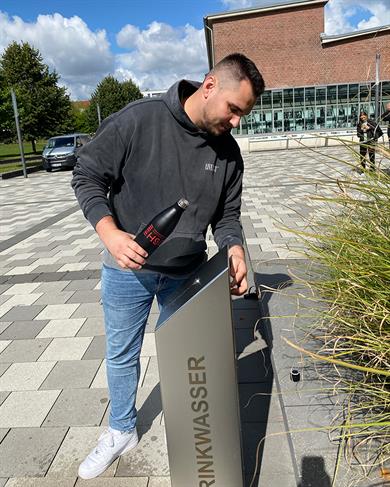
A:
(19, 172)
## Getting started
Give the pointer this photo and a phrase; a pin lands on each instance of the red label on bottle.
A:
(153, 236)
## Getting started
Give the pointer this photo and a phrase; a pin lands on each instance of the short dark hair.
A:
(363, 113)
(241, 67)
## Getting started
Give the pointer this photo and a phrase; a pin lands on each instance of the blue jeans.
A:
(127, 298)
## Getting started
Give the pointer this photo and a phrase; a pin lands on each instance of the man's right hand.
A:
(121, 245)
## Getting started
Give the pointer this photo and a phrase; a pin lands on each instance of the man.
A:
(148, 156)
(386, 118)
(368, 132)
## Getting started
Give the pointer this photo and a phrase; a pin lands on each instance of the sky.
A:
(154, 43)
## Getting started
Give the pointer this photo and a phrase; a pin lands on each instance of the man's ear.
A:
(209, 85)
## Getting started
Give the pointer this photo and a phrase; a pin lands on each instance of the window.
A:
(288, 96)
(277, 99)
(354, 93)
(320, 96)
(266, 100)
(331, 94)
(309, 96)
(299, 97)
(343, 94)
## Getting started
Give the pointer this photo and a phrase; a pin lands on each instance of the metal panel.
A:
(196, 357)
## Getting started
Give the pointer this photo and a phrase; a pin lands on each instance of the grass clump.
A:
(349, 245)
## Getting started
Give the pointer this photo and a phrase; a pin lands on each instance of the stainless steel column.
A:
(196, 358)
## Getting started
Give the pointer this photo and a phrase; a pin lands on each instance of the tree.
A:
(111, 95)
(7, 124)
(44, 107)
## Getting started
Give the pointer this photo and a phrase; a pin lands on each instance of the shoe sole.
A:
(129, 447)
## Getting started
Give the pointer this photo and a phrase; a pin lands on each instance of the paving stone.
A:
(3, 481)
(61, 328)
(3, 432)
(92, 327)
(85, 297)
(55, 298)
(82, 285)
(4, 287)
(3, 397)
(3, 326)
(77, 444)
(57, 311)
(21, 278)
(115, 482)
(23, 329)
(26, 408)
(52, 287)
(25, 288)
(3, 368)
(100, 380)
(72, 348)
(88, 310)
(24, 350)
(159, 482)
(150, 458)
(71, 374)
(4, 298)
(96, 349)
(51, 276)
(152, 377)
(40, 482)
(78, 407)
(22, 313)
(149, 405)
(149, 345)
(34, 458)
(43, 269)
(25, 376)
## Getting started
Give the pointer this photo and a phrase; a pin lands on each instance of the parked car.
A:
(61, 151)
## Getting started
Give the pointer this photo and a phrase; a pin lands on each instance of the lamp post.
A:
(16, 114)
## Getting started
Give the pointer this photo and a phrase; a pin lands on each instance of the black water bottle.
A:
(155, 232)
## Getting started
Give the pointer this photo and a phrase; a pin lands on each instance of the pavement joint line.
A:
(34, 202)
(6, 244)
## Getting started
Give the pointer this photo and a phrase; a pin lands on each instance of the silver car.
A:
(61, 151)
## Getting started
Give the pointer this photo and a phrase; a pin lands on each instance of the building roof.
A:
(266, 8)
(208, 19)
(325, 39)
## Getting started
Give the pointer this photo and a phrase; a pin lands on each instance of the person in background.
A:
(146, 157)
(386, 118)
(368, 132)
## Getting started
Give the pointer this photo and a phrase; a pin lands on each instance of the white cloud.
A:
(154, 57)
(338, 13)
(238, 4)
(81, 57)
(161, 54)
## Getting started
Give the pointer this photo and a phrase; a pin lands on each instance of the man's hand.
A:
(238, 270)
(121, 245)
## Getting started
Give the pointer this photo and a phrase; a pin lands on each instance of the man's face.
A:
(226, 104)
(363, 118)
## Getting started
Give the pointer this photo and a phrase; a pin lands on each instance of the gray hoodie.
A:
(146, 157)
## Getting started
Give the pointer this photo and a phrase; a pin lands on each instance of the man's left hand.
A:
(238, 270)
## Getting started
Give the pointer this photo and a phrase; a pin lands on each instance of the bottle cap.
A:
(183, 203)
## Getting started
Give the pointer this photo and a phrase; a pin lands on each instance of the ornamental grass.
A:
(348, 245)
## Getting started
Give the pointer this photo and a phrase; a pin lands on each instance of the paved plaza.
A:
(53, 391)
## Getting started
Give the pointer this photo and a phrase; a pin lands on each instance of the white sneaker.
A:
(111, 444)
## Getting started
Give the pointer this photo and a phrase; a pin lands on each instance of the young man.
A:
(146, 157)
(368, 132)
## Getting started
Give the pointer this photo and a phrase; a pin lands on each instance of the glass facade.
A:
(313, 108)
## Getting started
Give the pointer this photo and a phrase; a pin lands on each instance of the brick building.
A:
(314, 81)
